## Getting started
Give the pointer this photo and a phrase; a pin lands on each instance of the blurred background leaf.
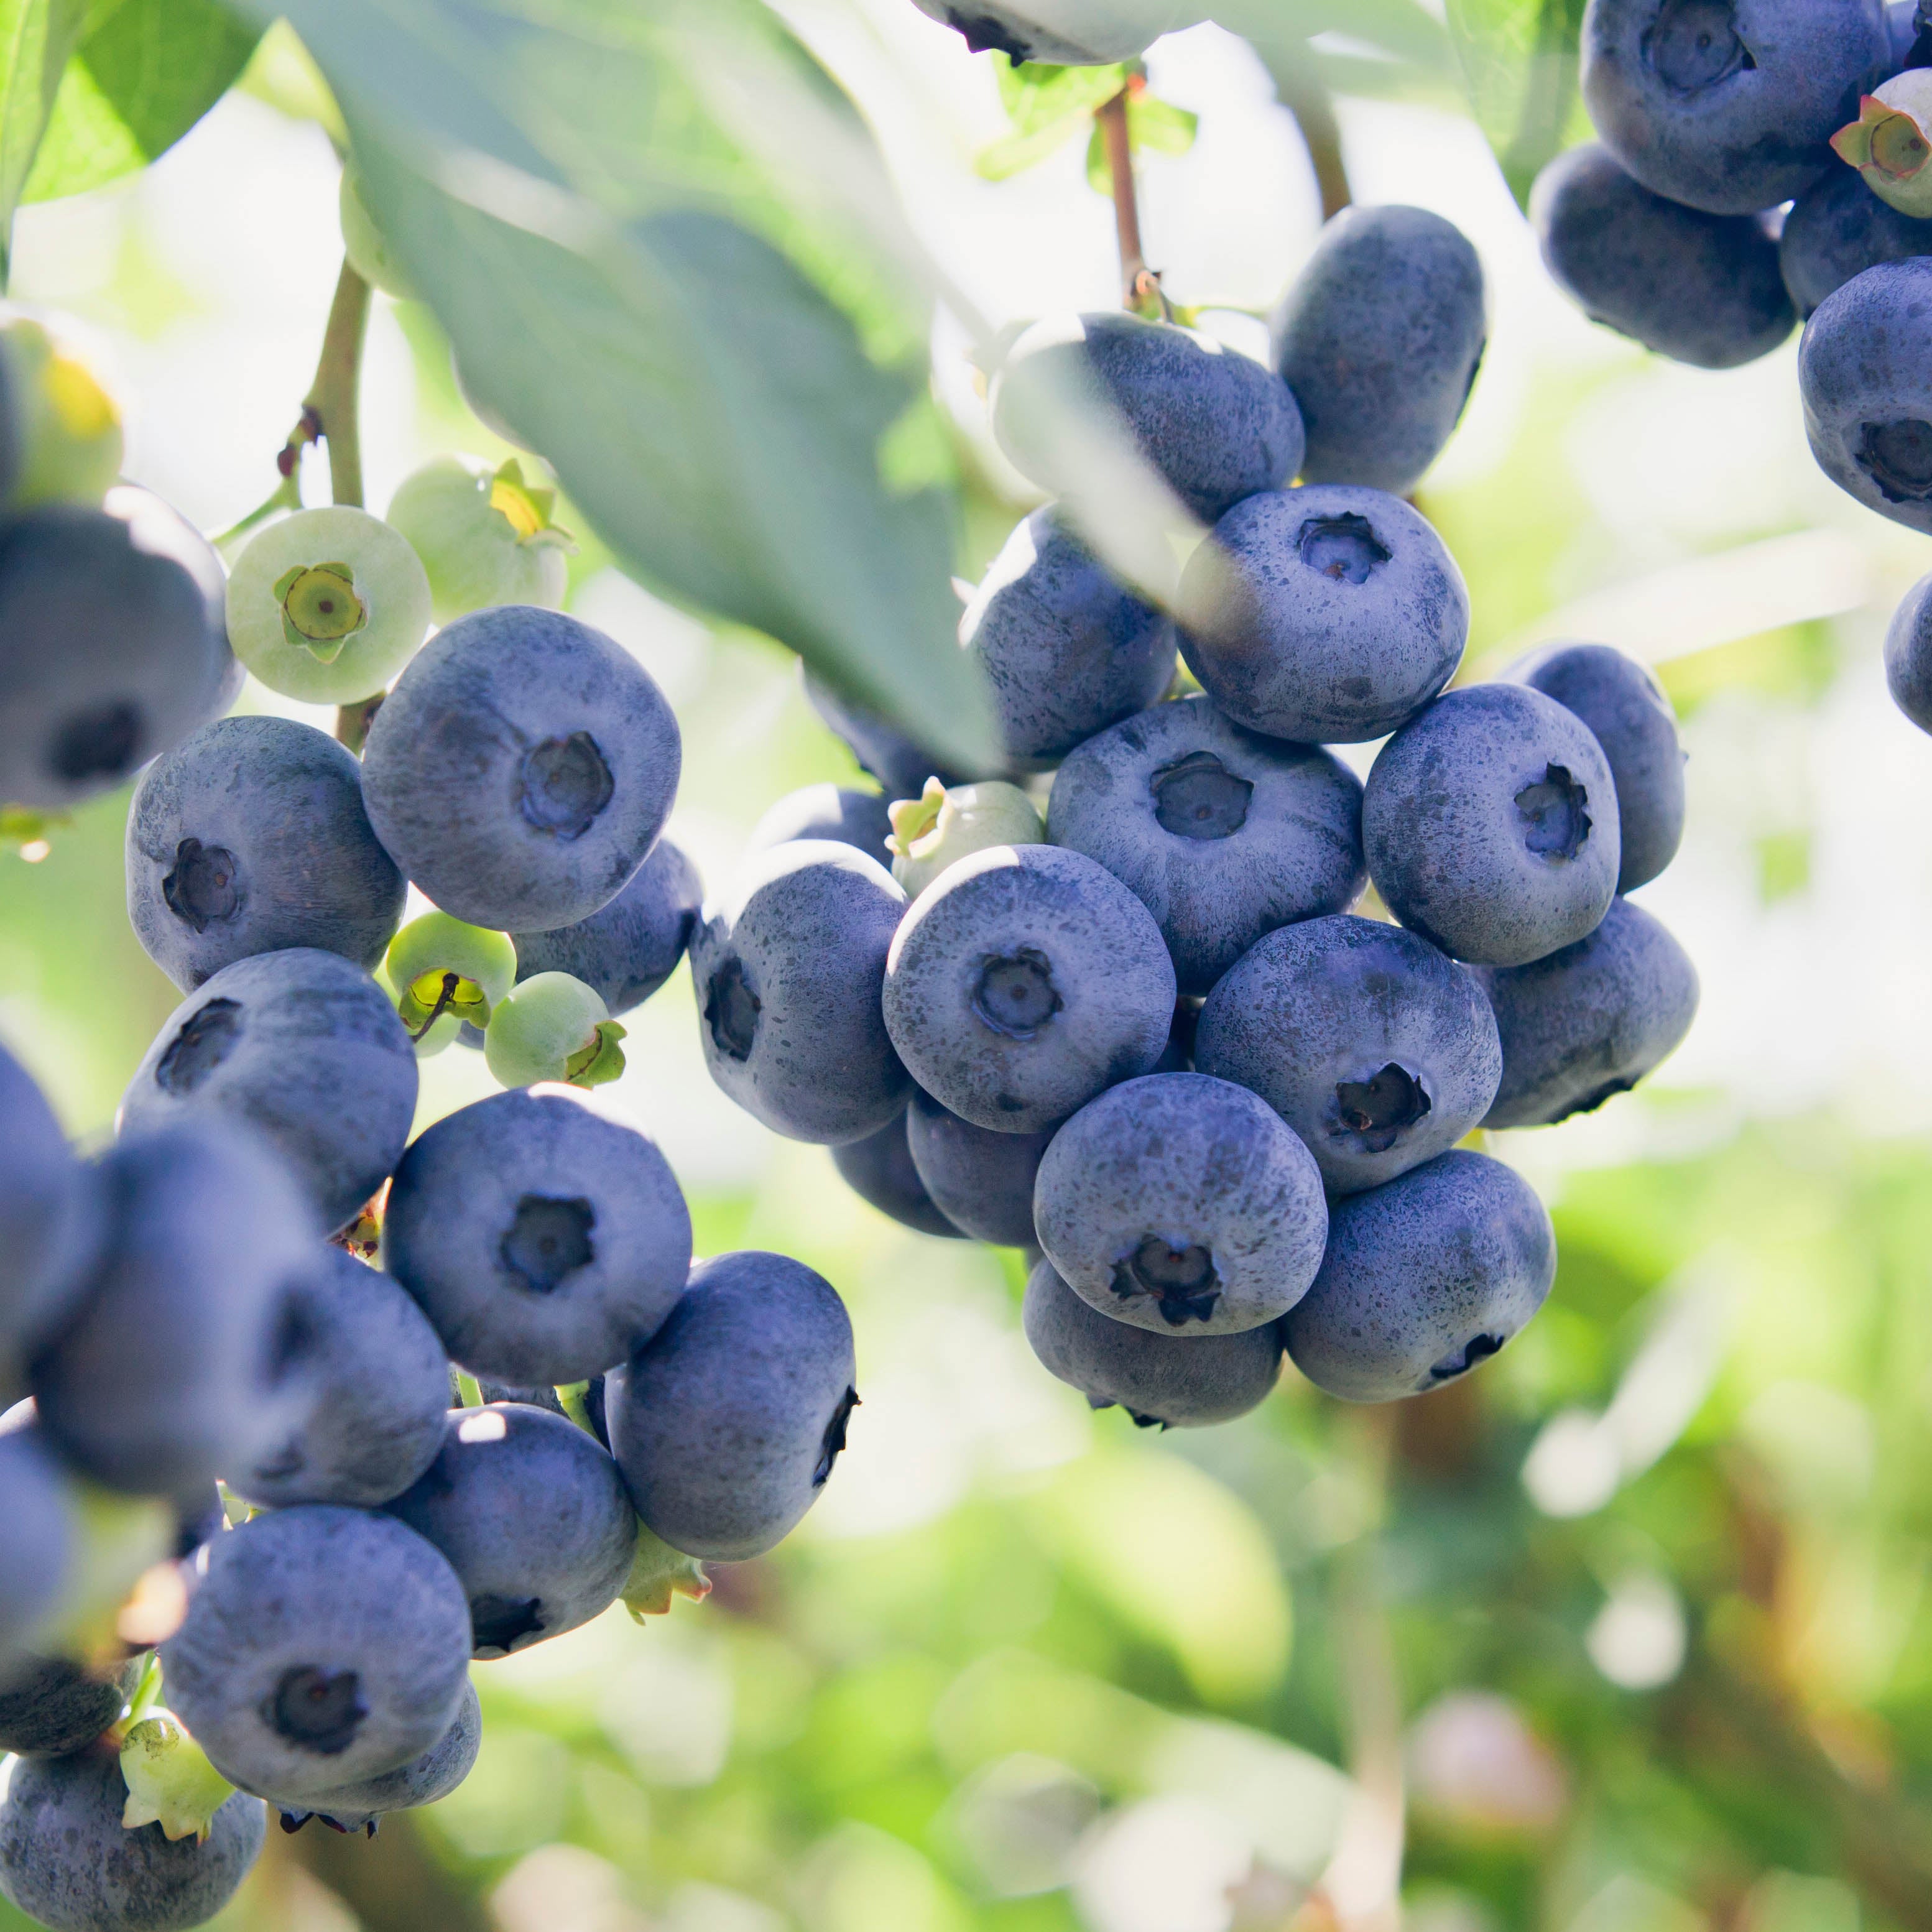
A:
(36, 37)
(1519, 60)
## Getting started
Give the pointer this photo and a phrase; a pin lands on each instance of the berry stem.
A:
(331, 402)
(1303, 95)
(1138, 282)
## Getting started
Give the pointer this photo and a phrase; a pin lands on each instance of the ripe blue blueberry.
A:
(1380, 338)
(521, 769)
(901, 766)
(49, 1705)
(1728, 105)
(370, 1418)
(1065, 649)
(435, 1774)
(1908, 655)
(533, 1517)
(980, 1180)
(626, 950)
(1837, 229)
(1631, 719)
(727, 1423)
(37, 1537)
(1702, 289)
(322, 1646)
(1589, 1021)
(1223, 835)
(544, 1242)
(1181, 1203)
(301, 1048)
(787, 968)
(880, 1169)
(1163, 1381)
(1025, 980)
(1864, 374)
(1377, 1050)
(1327, 615)
(860, 819)
(1424, 1278)
(67, 1861)
(1214, 424)
(1491, 826)
(249, 837)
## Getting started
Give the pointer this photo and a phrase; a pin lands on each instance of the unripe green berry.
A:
(369, 253)
(71, 442)
(169, 1780)
(1890, 143)
(940, 826)
(327, 605)
(444, 972)
(484, 536)
(553, 1028)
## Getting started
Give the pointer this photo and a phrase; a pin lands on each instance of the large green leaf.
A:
(666, 255)
(1519, 61)
(36, 37)
(144, 73)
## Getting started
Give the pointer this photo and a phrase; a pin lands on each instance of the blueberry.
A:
(787, 970)
(1162, 1380)
(1702, 289)
(113, 654)
(1179, 1202)
(1589, 1021)
(66, 1860)
(1023, 983)
(1380, 338)
(856, 818)
(880, 1170)
(484, 535)
(943, 824)
(37, 1537)
(1491, 825)
(49, 1705)
(249, 837)
(727, 1424)
(544, 1242)
(1424, 1278)
(552, 1027)
(184, 1344)
(1908, 655)
(1066, 33)
(301, 1048)
(980, 1180)
(1327, 615)
(1728, 105)
(899, 764)
(1631, 719)
(1837, 229)
(1066, 650)
(1864, 373)
(435, 1774)
(521, 769)
(534, 1519)
(1377, 1050)
(322, 1646)
(1221, 834)
(1214, 424)
(370, 1419)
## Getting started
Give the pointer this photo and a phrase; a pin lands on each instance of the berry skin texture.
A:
(1707, 289)
(625, 951)
(1024, 982)
(249, 837)
(1729, 105)
(483, 536)
(880, 1171)
(1908, 655)
(1065, 33)
(727, 1423)
(901, 766)
(68, 1862)
(322, 1646)
(1423, 1279)
(980, 1181)
(301, 1047)
(1589, 1021)
(1380, 338)
(859, 819)
(1223, 835)
(1837, 229)
(113, 656)
(1326, 615)
(1379, 1051)
(327, 605)
(1864, 374)
(534, 1519)
(172, 1368)
(435, 1774)
(544, 1242)
(49, 1706)
(1631, 719)
(787, 969)
(1214, 423)
(1491, 827)
(1162, 1380)
(521, 769)
(1182, 1204)
(36, 1538)
(371, 1420)
(1066, 650)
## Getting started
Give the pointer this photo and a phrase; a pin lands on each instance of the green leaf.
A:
(1519, 62)
(1153, 127)
(36, 37)
(667, 257)
(1047, 105)
(145, 72)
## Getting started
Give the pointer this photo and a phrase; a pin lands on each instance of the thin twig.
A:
(331, 400)
(1135, 277)
(1303, 95)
